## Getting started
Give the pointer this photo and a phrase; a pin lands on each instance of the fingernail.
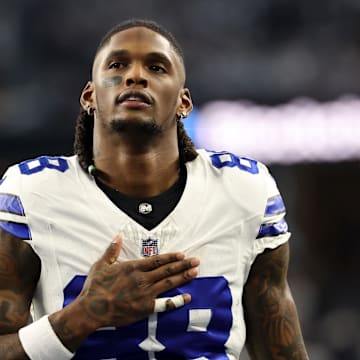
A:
(187, 298)
(194, 262)
(193, 272)
(180, 256)
(116, 239)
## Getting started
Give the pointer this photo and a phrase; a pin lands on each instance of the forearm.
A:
(272, 323)
(276, 334)
(72, 325)
(11, 348)
(63, 335)
(69, 327)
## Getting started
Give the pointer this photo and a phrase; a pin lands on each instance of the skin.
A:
(273, 329)
(115, 293)
(147, 63)
(140, 163)
(19, 273)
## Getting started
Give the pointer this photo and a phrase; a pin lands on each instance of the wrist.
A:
(50, 343)
(72, 325)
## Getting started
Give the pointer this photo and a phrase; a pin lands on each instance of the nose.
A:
(136, 75)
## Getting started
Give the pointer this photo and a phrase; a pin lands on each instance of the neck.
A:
(138, 172)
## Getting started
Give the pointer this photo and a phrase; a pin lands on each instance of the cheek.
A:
(111, 81)
(170, 94)
(170, 106)
(105, 92)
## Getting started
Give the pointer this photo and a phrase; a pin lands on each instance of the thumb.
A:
(113, 250)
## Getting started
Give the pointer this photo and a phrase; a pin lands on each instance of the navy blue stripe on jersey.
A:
(21, 231)
(274, 229)
(275, 206)
(2, 180)
(11, 204)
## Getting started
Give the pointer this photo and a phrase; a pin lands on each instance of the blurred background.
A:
(275, 80)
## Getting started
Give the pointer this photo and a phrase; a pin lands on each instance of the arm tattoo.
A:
(94, 306)
(11, 349)
(271, 314)
(19, 273)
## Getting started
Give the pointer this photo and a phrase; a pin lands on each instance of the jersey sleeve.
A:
(12, 214)
(273, 230)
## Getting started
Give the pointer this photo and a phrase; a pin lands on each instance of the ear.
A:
(87, 96)
(186, 104)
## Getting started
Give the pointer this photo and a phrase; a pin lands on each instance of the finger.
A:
(113, 250)
(154, 262)
(174, 281)
(174, 268)
(171, 303)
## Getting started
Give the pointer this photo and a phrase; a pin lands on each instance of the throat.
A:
(138, 175)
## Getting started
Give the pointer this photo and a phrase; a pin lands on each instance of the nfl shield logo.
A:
(149, 247)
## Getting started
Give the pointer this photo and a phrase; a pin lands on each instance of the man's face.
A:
(138, 78)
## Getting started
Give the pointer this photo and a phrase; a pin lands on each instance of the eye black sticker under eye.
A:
(112, 81)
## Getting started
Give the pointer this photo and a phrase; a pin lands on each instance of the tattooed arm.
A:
(273, 329)
(19, 274)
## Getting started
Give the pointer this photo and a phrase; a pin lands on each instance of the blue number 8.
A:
(198, 330)
(33, 166)
(221, 159)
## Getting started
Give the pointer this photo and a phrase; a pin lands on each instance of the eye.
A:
(116, 65)
(157, 68)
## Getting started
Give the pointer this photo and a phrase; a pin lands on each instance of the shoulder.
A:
(234, 169)
(238, 180)
(226, 159)
(29, 189)
(42, 164)
(34, 172)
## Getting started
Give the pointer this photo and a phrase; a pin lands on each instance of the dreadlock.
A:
(83, 146)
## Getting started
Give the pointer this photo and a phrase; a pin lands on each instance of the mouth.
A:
(134, 98)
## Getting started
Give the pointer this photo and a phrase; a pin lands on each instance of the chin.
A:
(134, 124)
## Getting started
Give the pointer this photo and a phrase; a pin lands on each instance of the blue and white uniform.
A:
(230, 211)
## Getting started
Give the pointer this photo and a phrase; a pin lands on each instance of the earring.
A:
(91, 170)
(183, 114)
(90, 110)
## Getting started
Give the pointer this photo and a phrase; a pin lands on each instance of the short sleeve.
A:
(12, 214)
(273, 230)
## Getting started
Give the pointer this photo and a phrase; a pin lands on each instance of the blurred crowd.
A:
(266, 51)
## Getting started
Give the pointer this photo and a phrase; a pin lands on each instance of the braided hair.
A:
(83, 146)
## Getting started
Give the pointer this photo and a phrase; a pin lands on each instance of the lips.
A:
(136, 96)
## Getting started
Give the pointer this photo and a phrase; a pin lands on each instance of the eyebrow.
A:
(118, 53)
(154, 56)
(157, 56)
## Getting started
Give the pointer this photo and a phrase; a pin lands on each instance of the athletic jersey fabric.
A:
(229, 212)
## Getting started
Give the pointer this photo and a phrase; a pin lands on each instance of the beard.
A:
(136, 126)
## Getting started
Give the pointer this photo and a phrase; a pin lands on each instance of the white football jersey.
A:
(230, 211)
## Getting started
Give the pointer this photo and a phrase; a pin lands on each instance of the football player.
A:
(140, 246)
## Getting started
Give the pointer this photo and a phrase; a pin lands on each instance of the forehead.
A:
(138, 41)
